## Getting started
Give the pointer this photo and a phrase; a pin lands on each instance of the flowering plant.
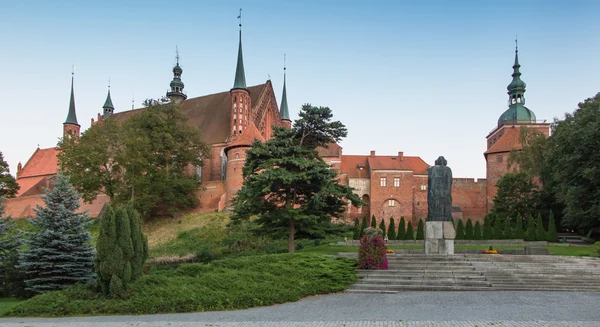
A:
(372, 252)
(389, 251)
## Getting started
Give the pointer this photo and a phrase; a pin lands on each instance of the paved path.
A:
(417, 309)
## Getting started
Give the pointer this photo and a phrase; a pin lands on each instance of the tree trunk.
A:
(292, 231)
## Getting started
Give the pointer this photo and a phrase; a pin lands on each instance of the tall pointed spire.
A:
(71, 127)
(176, 93)
(283, 111)
(108, 105)
(240, 76)
(516, 88)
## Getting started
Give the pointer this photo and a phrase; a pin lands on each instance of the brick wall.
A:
(236, 158)
(209, 198)
(381, 196)
(420, 198)
(470, 195)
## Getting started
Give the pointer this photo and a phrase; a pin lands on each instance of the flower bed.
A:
(372, 252)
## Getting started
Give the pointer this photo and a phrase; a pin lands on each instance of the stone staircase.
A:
(479, 272)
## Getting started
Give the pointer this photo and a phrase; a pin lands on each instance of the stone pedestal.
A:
(439, 237)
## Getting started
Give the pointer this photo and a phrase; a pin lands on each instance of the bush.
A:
(540, 233)
(401, 229)
(409, 232)
(477, 231)
(372, 252)
(392, 229)
(530, 233)
(363, 226)
(469, 230)
(508, 232)
(498, 228)
(420, 230)
(356, 234)
(373, 222)
(460, 230)
(317, 242)
(488, 233)
(299, 246)
(382, 226)
(519, 233)
(551, 236)
(597, 249)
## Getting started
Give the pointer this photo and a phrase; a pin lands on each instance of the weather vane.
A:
(109, 82)
(177, 54)
(240, 17)
(516, 43)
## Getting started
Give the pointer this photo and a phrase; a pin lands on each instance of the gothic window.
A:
(383, 182)
(499, 158)
(391, 203)
(396, 181)
(237, 155)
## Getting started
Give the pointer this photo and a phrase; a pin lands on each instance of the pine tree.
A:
(508, 232)
(382, 226)
(551, 236)
(109, 256)
(477, 231)
(373, 222)
(401, 229)
(59, 254)
(488, 233)
(460, 230)
(469, 230)
(530, 233)
(519, 232)
(420, 230)
(356, 234)
(498, 228)
(410, 235)
(540, 233)
(392, 229)
(363, 226)
(11, 281)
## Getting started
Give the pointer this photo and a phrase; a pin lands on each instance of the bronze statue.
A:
(439, 191)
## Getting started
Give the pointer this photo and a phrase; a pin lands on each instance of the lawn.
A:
(7, 303)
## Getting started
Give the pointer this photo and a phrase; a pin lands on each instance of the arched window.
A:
(237, 155)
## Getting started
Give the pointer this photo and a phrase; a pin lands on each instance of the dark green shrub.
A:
(540, 233)
(401, 229)
(392, 229)
(356, 234)
(206, 254)
(460, 230)
(498, 228)
(317, 242)
(299, 246)
(519, 232)
(469, 230)
(420, 230)
(551, 236)
(508, 232)
(363, 226)
(530, 233)
(488, 232)
(382, 226)
(477, 231)
(373, 222)
(410, 234)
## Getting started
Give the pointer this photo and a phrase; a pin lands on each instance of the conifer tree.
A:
(498, 228)
(420, 230)
(392, 229)
(382, 226)
(460, 230)
(519, 232)
(410, 234)
(364, 225)
(11, 281)
(477, 231)
(540, 233)
(59, 253)
(530, 233)
(488, 233)
(356, 234)
(109, 256)
(373, 221)
(508, 232)
(401, 229)
(469, 230)
(551, 236)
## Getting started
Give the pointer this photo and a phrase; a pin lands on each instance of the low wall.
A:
(463, 242)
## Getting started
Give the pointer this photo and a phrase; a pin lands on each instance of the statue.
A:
(439, 191)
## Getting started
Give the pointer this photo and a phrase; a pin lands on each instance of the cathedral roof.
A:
(43, 162)
(210, 113)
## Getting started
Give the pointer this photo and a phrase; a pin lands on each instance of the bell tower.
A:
(176, 93)
(71, 127)
(240, 97)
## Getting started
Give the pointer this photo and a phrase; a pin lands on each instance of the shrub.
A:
(299, 246)
(488, 233)
(372, 252)
(317, 242)
(540, 233)
(420, 230)
(11, 278)
(356, 234)
(469, 230)
(530, 233)
(477, 231)
(373, 222)
(401, 229)
(519, 232)
(460, 230)
(409, 232)
(382, 226)
(597, 248)
(363, 226)
(498, 228)
(392, 229)
(551, 236)
(508, 232)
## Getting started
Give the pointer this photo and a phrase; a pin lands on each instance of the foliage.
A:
(498, 228)
(287, 186)
(143, 159)
(516, 193)
(8, 185)
(597, 249)
(551, 236)
(508, 231)
(410, 234)
(372, 252)
(469, 230)
(420, 230)
(519, 232)
(139, 242)
(382, 226)
(477, 231)
(401, 229)
(364, 225)
(488, 233)
(530, 232)
(392, 229)
(460, 230)
(540, 233)
(59, 253)
(149, 102)
(236, 283)
(373, 222)
(11, 279)
(356, 234)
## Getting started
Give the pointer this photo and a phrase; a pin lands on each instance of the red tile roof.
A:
(28, 184)
(248, 136)
(332, 150)
(507, 142)
(43, 162)
(351, 165)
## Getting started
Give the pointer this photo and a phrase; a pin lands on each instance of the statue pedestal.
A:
(439, 237)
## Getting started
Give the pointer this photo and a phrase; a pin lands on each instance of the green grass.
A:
(8, 303)
(572, 250)
(235, 283)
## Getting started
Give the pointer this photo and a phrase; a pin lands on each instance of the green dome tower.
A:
(176, 93)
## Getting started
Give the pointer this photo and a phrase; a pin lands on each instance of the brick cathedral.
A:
(391, 185)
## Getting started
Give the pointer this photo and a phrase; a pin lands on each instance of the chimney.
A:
(401, 155)
(372, 153)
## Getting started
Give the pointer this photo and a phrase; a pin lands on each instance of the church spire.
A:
(516, 88)
(71, 126)
(240, 76)
(108, 105)
(176, 93)
(283, 111)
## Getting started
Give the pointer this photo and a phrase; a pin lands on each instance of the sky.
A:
(424, 77)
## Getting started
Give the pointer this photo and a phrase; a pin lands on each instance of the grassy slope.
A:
(7, 303)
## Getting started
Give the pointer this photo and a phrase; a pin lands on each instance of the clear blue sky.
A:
(424, 77)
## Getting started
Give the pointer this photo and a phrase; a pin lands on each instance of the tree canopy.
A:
(287, 186)
(516, 194)
(145, 159)
(8, 185)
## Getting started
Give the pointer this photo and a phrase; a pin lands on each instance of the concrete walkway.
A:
(353, 310)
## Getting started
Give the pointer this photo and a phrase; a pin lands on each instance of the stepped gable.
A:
(210, 113)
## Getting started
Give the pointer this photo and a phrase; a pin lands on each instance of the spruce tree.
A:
(356, 234)
(59, 253)
(392, 229)
(420, 230)
(401, 229)
(460, 230)
(551, 236)
(530, 233)
(477, 231)
(540, 233)
(11, 281)
(109, 256)
(519, 232)
(373, 221)
(410, 235)
(469, 230)
(488, 233)
(364, 225)
(382, 226)
(498, 228)
(508, 232)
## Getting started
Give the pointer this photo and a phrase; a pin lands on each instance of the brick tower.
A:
(505, 137)
(71, 127)
(240, 97)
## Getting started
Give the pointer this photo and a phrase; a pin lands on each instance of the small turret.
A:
(283, 111)
(108, 108)
(176, 93)
(241, 104)
(71, 127)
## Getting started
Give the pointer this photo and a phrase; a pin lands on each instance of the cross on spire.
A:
(516, 43)
(177, 54)
(240, 18)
